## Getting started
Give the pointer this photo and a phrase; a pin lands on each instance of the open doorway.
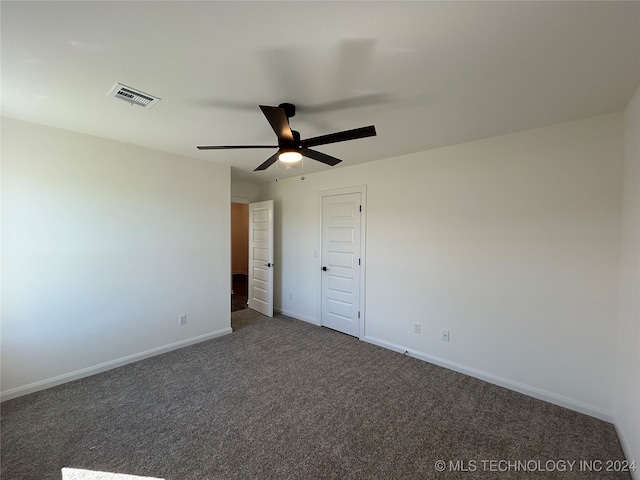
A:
(239, 255)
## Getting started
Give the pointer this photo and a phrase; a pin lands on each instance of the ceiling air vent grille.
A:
(133, 96)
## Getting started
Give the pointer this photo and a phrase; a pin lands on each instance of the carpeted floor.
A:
(283, 399)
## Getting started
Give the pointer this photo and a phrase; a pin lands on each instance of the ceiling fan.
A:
(290, 147)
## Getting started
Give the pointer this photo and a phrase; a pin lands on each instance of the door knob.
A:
(324, 269)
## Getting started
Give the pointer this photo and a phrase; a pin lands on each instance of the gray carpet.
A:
(282, 399)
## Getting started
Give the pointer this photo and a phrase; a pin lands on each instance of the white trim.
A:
(102, 367)
(626, 449)
(362, 190)
(534, 392)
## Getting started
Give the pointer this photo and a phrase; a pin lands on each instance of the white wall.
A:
(104, 244)
(245, 192)
(627, 393)
(511, 243)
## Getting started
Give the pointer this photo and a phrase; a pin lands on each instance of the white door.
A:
(341, 230)
(261, 257)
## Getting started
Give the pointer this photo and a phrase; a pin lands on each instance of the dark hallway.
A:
(239, 296)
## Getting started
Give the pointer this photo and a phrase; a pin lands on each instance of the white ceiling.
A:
(426, 74)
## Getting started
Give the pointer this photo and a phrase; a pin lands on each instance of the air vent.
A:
(133, 96)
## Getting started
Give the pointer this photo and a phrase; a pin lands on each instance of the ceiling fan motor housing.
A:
(287, 145)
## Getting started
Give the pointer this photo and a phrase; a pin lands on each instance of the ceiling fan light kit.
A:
(290, 156)
(290, 147)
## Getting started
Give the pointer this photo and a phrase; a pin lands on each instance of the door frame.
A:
(362, 190)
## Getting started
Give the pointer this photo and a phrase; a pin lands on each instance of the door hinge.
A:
(360, 207)
(358, 314)
(359, 261)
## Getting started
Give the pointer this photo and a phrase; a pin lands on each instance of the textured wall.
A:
(628, 380)
(104, 245)
(511, 243)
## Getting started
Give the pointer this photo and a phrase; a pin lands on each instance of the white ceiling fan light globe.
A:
(290, 157)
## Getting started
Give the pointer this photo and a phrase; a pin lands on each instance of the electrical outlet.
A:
(182, 319)
(445, 335)
(290, 296)
(416, 327)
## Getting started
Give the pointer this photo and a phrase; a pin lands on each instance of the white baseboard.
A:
(102, 367)
(497, 380)
(626, 448)
(299, 316)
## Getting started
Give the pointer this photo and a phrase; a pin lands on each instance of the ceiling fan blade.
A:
(228, 147)
(319, 156)
(362, 132)
(278, 120)
(270, 161)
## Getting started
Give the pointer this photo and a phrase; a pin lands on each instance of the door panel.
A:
(261, 257)
(341, 231)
